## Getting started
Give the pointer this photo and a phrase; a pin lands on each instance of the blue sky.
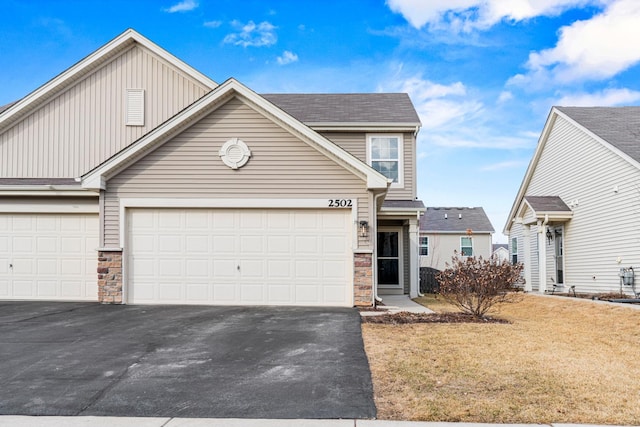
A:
(482, 74)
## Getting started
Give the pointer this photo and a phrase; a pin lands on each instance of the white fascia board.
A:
(374, 179)
(95, 179)
(192, 72)
(601, 141)
(551, 118)
(364, 127)
(45, 190)
(68, 76)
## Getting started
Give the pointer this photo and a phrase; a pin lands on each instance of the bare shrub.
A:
(476, 285)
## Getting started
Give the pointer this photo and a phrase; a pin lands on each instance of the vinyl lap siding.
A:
(188, 166)
(84, 125)
(356, 144)
(604, 225)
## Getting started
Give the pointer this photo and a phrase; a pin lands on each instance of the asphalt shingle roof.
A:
(347, 108)
(619, 126)
(456, 220)
(547, 204)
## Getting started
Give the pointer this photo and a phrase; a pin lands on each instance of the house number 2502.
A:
(339, 203)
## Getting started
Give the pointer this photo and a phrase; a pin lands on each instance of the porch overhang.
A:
(535, 209)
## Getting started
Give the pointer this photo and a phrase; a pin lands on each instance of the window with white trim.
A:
(384, 154)
(514, 250)
(424, 246)
(466, 246)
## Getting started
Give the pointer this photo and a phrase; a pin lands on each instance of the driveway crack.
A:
(150, 348)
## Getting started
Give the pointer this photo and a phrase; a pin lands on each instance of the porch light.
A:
(549, 236)
(364, 228)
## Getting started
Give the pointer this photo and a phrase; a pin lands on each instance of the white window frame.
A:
(424, 246)
(514, 249)
(461, 252)
(400, 183)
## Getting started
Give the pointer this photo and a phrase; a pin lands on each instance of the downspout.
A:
(374, 261)
(420, 294)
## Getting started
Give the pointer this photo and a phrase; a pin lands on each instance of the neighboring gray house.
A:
(574, 221)
(447, 232)
(133, 178)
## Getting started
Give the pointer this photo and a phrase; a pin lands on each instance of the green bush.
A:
(476, 285)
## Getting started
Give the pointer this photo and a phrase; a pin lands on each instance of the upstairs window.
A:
(466, 246)
(385, 155)
(424, 246)
(514, 250)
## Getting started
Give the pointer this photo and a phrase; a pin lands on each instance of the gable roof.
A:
(619, 126)
(96, 178)
(547, 204)
(455, 220)
(381, 110)
(616, 128)
(16, 110)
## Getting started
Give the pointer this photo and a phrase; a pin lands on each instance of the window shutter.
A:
(135, 107)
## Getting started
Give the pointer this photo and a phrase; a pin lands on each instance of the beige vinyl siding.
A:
(356, 144)
(443, 246)
(85, 125)
(605, 223)
(188, 166)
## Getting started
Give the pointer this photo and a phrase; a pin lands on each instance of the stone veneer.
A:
(110, 276)
(363, 280)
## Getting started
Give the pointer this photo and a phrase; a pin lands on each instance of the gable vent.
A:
(135, 107)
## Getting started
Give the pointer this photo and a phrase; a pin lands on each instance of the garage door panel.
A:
(46, 267)
(249, 256)
(46, 288)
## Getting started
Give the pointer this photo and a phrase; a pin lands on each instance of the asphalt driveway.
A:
(182, 361)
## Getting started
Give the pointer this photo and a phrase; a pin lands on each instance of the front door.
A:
(389, 258)
(559, 256)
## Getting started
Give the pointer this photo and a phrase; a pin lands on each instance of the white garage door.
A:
(48, 256)
(240, 256)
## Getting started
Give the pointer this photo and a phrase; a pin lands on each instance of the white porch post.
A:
(414, 264)
(542, 258)
(528, 286)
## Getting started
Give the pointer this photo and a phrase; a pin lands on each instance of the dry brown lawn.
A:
(560, 360)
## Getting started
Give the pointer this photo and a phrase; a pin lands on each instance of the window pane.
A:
(375, 148)
(388, 169)
(388, 244)
(384, 149)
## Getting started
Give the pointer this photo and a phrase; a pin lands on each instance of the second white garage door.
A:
(239, 256)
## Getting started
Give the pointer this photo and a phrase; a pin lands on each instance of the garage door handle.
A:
(10, 265)
(238, 268)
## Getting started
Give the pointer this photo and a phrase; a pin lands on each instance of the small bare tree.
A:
(476, 285)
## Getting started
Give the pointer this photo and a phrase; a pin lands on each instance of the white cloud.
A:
(212, 24)
(468, 15)
(182, 6)
(439, 104)
(287, 57)
(605, 98)
(593, 49)
(505, 96)
(251, 34)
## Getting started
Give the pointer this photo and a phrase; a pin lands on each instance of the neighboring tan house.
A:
(500, 252)
(574, 222)
(448, 232)
(180, 190)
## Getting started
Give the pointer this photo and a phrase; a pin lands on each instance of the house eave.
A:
(46, 190)
(474, 232)
(364, 127)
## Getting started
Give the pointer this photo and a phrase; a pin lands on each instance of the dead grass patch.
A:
(558, 361)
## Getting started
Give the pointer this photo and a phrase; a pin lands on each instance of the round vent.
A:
(235, 153)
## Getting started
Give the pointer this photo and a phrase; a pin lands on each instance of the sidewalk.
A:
(26, 421)
(395, 304)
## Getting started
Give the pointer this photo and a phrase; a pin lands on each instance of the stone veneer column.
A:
(110, 276)
(363, 280)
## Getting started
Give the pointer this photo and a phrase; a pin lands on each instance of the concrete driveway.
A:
(182, 361)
